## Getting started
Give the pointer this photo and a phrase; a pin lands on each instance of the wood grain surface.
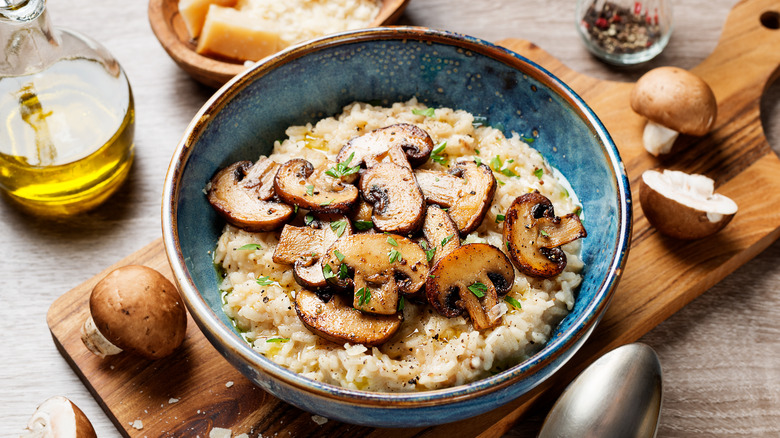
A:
(721, 353)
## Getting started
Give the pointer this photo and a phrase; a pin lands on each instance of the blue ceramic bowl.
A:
(317, 79)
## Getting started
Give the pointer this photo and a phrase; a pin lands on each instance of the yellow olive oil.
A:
(66, 136)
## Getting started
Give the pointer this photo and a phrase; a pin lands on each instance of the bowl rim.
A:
(213, 328)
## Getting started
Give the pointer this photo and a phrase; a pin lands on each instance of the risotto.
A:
(429, 351)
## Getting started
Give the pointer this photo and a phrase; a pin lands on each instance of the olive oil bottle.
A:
(66, 115)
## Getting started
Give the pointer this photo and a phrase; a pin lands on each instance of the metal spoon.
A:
(618, 395)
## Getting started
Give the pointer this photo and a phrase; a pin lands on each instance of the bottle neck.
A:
(30, 42)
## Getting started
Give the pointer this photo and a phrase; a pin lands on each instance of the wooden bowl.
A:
(170, 30)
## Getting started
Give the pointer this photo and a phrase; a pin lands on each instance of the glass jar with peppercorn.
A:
(625, 32)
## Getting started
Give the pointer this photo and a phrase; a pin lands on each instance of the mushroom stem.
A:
(95, 341)
(658, 139)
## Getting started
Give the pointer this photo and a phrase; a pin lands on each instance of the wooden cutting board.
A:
(196, 389)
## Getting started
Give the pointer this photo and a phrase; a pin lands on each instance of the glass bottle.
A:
(625, 32)
(66, 115)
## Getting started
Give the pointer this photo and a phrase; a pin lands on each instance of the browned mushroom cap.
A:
(471, 278)
(136, 309)
(298, 183)
(440, 232)
(390, 142)
(533, 235)
(467, 191)
(378, 267)
(399, 205)
(242, 194)
(336, 321)
(58, 417)
(303, 247)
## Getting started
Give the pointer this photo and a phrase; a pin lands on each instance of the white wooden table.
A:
(720, 354)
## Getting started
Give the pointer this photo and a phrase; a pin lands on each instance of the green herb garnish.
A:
(544, 233)
(428, 112)
(500, 218)
(327, 272)
(277, 340)
(328, 202)
(401, 304)
(538, 172)
(309, 189)
(338, 255)
(308, 219)
(343, 272)
(250, 246)
(446, 239)
(391, 241)
(265, 281)
(363, 295)
(508, 172)
(429, 252)
(339, 226)
(478, 161)
(343, 169)
(395, 255)
(364, 225)
(513, 302)
(436, 154)
(528, 140)
(478, 289)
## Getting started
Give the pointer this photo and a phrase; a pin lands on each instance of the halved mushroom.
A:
(338, 322)
(378, 267)
(58, 417)
(440, 232)
(390, 143)
(467, 191)
(533, 235)
(674, 101)
(303, 247)
(684, 206)
(242, 193)
(398, 203)
(298, 183)
(471, 278)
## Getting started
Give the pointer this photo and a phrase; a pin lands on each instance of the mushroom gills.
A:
(533, 235)
(471, 278)
(466, 191)
(242, 194)
(389, 144)
(297, 182)
(398, 204)
(338, 322)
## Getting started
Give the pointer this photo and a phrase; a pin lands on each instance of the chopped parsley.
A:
(339, 226)
(538, 172)
(446, 239)
(343, 271)
(528, 140)
(513, 302)
(277, 340)
(478, 161)
(308, 219)
(395, 255)
(250, 246)
(391, 241)
(327, 272)
(343, 169)
(578, 211)
(364, 225)
(478, 289)
(428, 112)
(507, 246)
(500, 218)
(338, 255)
(328, 202)
(544, 233)
(265, 281)
(429, 252)
(436, 155)
(309, 189)
(401, 304)
(363, 295)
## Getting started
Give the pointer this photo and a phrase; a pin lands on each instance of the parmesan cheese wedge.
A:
(228, 32)
(193, 12)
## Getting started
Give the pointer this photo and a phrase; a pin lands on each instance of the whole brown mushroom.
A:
(674, 101)
(137, 309)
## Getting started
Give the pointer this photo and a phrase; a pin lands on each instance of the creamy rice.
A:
(298, 20)
(429, 351)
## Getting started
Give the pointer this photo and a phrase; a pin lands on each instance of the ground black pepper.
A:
(618, 29)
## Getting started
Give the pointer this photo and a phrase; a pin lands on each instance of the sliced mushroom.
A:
(390, 143)
(303, 247)
(242, 193)
(137, 309)
(440, 232)
(674, 101)
(378, 268)
(467, 191)
(684, 206)
(58, 417)
(398, 203)
(471, 278)
(533, 235)
(298, 183)
(336, 321)
(362, 216)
